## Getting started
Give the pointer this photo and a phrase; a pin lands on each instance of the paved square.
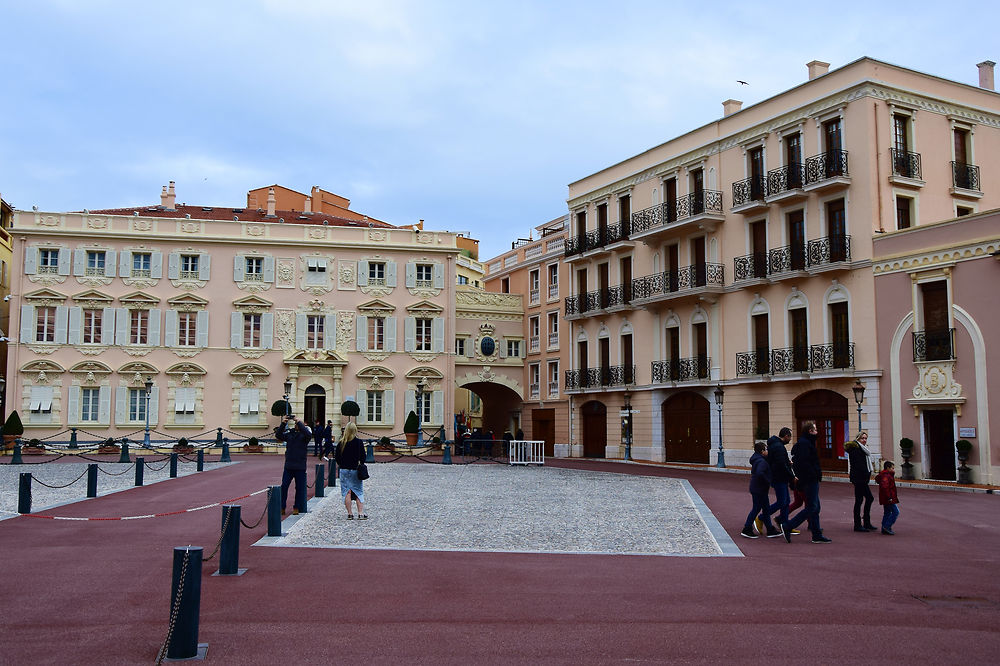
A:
(498, 508)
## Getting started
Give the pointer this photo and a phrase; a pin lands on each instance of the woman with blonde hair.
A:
(350, 454)
(859, 463)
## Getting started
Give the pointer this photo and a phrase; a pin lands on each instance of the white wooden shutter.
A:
(390, 334)
(437, 335)
(201, 329)
(173, 266)
(75, 336)
(390, 273)
(204, 267)
(79, 261)
(104, 405)
(108, 326)
(301, 325)
(154, 406)
(153, 339)
(388, 407)
(362, 333)
(64, 262)
(170, 328)
(267, 330)
(27, 323)
(236, 330)
(30, 260)
(409, 403)
(125, 264)
(437, 407)
(439, 276)
(74, 404)
(330, 331)
(110, 264)
(156, 265)
(121, 326)
(362, 273)
(411, 275)
(363, 406)
(62, 324)
(409, 334)
(268, 269)
(239, 267)
(121, 404)
(470, 347)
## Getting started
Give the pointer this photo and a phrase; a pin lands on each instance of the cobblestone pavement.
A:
(514, 509)
(111, 477)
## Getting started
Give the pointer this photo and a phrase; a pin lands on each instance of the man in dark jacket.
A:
(805, 462)
(781, 472)
(760, 482)
(296, 441)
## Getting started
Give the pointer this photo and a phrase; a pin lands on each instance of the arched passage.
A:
(595, 429)
(315, 404)
(687, 428)
(829, 410)
(501, 407)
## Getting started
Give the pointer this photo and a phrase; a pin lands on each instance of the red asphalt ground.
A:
(98, 592)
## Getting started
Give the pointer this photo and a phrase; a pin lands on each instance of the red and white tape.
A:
(150, 515)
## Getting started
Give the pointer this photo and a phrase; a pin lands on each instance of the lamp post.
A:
(288, 392)
(859, 397)
(149, 393)
(3, 400)
(628, 426)
(421, 385)
(719, 393)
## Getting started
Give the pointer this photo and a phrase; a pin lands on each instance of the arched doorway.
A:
(315, 404)
(595, 429)
(491, 406)
(687, 429)
(829, 410)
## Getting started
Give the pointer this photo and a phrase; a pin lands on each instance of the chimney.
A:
(271, 202)
(731, 106)
(817, 68)
(163, 197)
(308, 208)
(170, 202)
(986, 74)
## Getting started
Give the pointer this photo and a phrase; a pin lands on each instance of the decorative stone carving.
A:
(488, 298)
(255, 230)
(487, 374)
(47, 279)
(425, 238)
(186, 353)
(142, 225)
(42, 349)
(94, 280)
(189, 284)
(191, 227)
(376, 235)
(50, 220)
(97, 222)
(375, 357)
(346, 335)
(284, 330)
(936, 380)
(140, 283)
(137, 351)
(253, 287)
(346, 274)
(285, 273)
(316, 305)
(91, 351)
(248, 354)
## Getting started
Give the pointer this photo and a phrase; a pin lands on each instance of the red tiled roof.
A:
(242, 215)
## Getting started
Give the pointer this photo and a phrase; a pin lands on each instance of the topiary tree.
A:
(13, 425)
(280, 408)
(411, 425)
(350, 408)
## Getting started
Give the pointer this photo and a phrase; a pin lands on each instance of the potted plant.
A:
(34, 447)
(12, 429)
(385, 442)
(436, 441)
(253, 445)
(279, 408)
(109, 446)
(963, 447)
(182, 446)
(410, 428)
(906, 449)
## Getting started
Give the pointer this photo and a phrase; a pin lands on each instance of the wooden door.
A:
(625, 215)
(673, 267)
(595, 429)
(837, 230)
(793, 160)
(939, 435)
(543, 427)
(961, 156)
(625, 265)
(674, 352)
(761, 345)
(605, 352)
(758, 244)
(670, 198)
(800, 340)
(698, 254)
(937, 325)
(628, 362)
(797, 240)
(698, 189)
(840, 335)
(829, 410)
(602, 224)
(756, 157)
(602, 284)
(686, 428)
(701, 348)
(581, 226)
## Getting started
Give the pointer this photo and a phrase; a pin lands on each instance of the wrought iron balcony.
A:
(833, 356)
(553, 340)
(756, 362)
(619, 232)
(652, 217)
(615, 375)
(786, 259)
(599, 299)
(965, 176)
(553, 291)
(787, 178)
(831, 164)
(574, 245)
(697, 203)
(749, 190)
(791, 359)
(934, 345)
(533, 343)
(668, 282)
(905, 163)
(750, 266)
(553, 388)
(828, 250)
(596, 238)
(681, 369)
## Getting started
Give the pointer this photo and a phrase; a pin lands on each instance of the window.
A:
(553, 377)
(136, 404)
(553, 280)
(187, 329)
(463, 279)
(90, 400)
(315, 271)
(189, 266)
(423, 335)
(534, 373)
(48, 261)
(142, 264)
(533, 282)
(962, 211)
(138, 327)
(553, 329)
(374, 406)
(514, 348)
(625, 212)
(95, 262)
(184, 400)
(249, 405)
(314, 331)
(761, 420)
(534, 329)
(41, 399)
(376, 273)
(904, 212)
(425, 275)
(254, 269)
(424, 404)
(45, 324)
(376, 333)
(92, 326)
(251, 331)
(832, 136)
(505, 286)
(459, 346)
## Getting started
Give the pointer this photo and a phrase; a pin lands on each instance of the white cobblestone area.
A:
(513, 509)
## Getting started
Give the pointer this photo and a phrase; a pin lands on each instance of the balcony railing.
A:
(750, 266)
(786, 259)
(828, 250)
(533, 343)
(791, 359)
(553, 340)
(619, 232)
(574, 245)
(696, 203)
(597, 238)
(934, 345)
(905, 163)
(553, 291)
(655, 216)
(534, 296)
(831, 164)
(789, 177)
(753, 362)
(965, 176)
(553, 388)
(533, 390)
(833, 356)
(615, 375)
(751, 189)
(668, 282)
(681, 369)
(599, 299)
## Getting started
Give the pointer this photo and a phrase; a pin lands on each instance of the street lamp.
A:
(288, 392)
(149, 393)
(3, 399)
(859, 397)
(628, 426)
(421, 385)
(719, 393)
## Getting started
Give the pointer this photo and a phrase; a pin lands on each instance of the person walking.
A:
(296, 441)
(327, 440)
(781, 472)
(805, 463)
(350, 454)
(859, 468)
(887, 497)
(760, 483)
(317, 432)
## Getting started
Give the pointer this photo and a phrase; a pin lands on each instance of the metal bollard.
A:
(225, 451)
(185, 603)
(140, 464)
(229, 550)
(274, 512)
(320, 480)
(92, 480)
(446, 458)
(24, 493)
(333, 473)
(201, 460)
(16, 459)
(173, 465)
(124, 457)
(72, 438)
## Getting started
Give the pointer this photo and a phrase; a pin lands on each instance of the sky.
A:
(473, 116)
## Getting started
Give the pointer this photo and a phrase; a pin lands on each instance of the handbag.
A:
(362, 471)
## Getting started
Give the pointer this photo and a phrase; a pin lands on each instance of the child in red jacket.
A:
(886, 480)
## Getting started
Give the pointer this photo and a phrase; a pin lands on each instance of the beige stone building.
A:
(736, 260)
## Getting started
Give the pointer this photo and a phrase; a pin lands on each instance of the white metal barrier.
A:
(527, 452)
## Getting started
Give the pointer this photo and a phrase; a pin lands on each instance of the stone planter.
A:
(411, 439)
(907, 468)
(257, 448)
(105, 449)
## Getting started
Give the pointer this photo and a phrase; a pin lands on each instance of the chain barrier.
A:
(149, 515)
(157, 469)
(267, 500)
(124, 471)
(176, 609)
(42, 462)
(63, 486)
(225, 525)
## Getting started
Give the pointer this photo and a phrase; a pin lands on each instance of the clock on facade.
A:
(487, 345)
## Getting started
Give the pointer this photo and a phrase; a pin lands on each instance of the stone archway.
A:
(315, 405)
(500, 404)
